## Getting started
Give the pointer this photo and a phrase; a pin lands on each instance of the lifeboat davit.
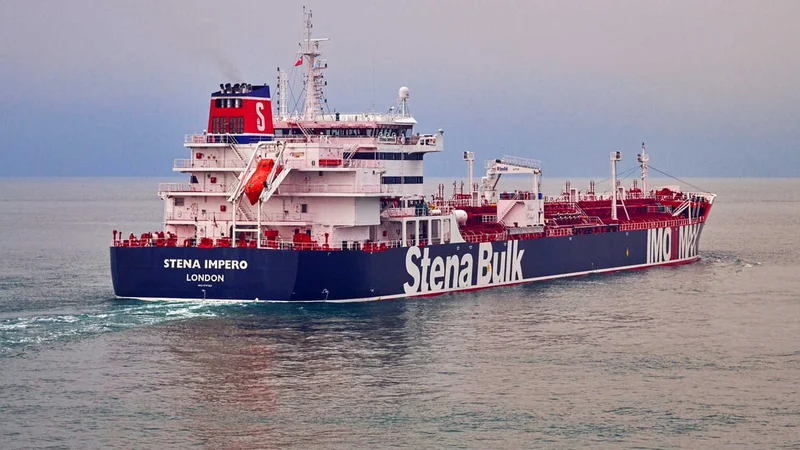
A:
(255, 184)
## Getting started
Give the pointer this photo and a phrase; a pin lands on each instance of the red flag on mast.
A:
(299, 61)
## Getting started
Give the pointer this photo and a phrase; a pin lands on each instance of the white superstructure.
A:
(338, 180)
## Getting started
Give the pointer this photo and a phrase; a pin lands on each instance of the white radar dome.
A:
(403, 93)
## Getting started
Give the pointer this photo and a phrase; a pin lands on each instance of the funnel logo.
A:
(261, 124)
(443, 273)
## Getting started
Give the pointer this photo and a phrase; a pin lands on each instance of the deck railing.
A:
(175, 187)
(155, 240)
(329, 189)
(399, 212)
(555, 232)
(363, 163)
(221, 139)
(484, 237)
(207, 164)
(289, 217)
(218, 188)
(629, 226)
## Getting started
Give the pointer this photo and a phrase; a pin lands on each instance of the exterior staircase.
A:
(681, 208)
(247, 211)
(236, 150)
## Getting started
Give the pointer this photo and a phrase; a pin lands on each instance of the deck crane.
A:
(524, 211)
(509, 165)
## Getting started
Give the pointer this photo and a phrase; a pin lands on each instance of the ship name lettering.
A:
(445, 273)
(181, 264)
(687, 241)
(659, 245)
(227, 264)
(206, 277)
(499, 267)
(442, 273)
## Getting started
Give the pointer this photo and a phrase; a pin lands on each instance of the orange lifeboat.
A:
(255, 184)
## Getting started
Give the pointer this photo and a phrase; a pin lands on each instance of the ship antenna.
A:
(643, 159)
(314, 78)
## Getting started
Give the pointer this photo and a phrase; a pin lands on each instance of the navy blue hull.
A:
(288, 275)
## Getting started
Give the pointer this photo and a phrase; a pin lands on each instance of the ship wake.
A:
(23, 333)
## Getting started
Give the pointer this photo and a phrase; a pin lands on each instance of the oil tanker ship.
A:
(313, 205)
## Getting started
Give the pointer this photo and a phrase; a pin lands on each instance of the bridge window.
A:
(391, 180)
(304, 207)
(388, 156)
(237, 125)
(402, 180)
(340, 132)
(390, 132)
(290, 131)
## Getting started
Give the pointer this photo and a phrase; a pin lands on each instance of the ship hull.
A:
(189, 273)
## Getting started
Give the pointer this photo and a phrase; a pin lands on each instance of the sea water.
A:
(699, 356)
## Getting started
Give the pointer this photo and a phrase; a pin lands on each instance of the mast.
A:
(314, 66)
(643, 159)
(283, 88)
(615, 156)
(469, 157)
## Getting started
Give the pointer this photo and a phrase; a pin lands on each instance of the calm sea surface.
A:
(699, 356)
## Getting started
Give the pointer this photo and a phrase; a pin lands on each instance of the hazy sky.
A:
(713, 87)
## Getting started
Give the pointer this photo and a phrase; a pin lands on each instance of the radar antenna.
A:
(402, 100)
